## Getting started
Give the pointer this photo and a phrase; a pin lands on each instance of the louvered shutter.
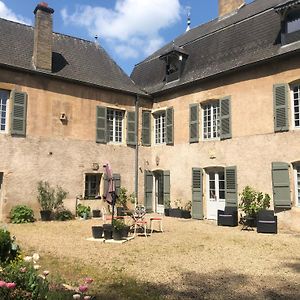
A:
(197, 190)
(19, 113)
(231, 194)
(280, 95)
(131, 134)
(281, 185)
(170, 126)
(225, 118)
(148, 188)
(146, 128)
(167, 198)
(101, 125)
(194, 123)
(117, 181)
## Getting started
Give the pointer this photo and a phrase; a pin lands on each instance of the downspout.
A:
(136, 190)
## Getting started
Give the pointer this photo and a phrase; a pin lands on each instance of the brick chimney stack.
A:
(42, 48)
(226, 7)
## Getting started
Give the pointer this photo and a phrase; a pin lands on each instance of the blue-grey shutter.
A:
(167, 198)
(117, 181)
(225, 118)
(101, 125)
(231, 195)
(148, 188)
(146, 128)
(194, 123)
(281, 185)
(19, 113)
(280, 95)
(131, 134)
(197, 191)
(170, 126)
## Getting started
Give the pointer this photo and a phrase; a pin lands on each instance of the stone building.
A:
(211, 112)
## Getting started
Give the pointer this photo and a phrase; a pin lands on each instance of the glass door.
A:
(159, 192)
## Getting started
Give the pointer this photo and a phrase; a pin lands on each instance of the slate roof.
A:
(73, 58)
(251, 35)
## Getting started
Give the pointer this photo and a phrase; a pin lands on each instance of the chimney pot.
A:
(45, 4)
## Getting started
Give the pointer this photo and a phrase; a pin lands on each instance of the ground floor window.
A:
(92, 186)
(297, 184)
(3, 109)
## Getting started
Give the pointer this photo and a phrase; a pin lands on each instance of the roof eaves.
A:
(287, 4)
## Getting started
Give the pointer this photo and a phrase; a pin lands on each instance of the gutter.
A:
(136, 166)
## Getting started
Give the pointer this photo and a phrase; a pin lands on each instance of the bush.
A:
(63, 214)
(83, 210)
(21, 214)
(8, 248)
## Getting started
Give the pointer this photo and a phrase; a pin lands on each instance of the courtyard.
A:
(189, 260)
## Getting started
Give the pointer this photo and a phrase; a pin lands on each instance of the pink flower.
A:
(87, 297)
(88, 280)
(83, 288)
(23, 269)
(2, 283)
(10, 285)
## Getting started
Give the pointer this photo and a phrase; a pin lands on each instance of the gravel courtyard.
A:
(190, 260)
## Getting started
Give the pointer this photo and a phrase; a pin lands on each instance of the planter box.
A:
(167, 212)
(107, 229)
(120, 211)
(96, 213)
(97, 232)
(46, 215)
(179, 213)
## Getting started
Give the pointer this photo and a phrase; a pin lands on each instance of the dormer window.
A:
(174, 63)
(293, 22)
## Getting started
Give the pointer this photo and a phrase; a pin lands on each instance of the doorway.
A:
(215, 192)
(159, 191)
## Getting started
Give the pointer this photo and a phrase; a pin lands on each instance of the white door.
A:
(159, 192)
(215, 195)
(297, 184)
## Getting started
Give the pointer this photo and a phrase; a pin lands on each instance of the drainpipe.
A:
(136, 190)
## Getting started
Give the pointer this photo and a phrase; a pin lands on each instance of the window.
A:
(211, 121)
(160, 127)
(216, 186)
(92, 184)
(293, 22)
(115, 125)
(297, 184)
(296, 105)
(3, 110)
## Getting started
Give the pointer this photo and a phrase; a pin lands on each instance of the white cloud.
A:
(132, 28)
(8, 14)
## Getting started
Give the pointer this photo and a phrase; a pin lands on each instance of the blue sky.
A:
(129, 30)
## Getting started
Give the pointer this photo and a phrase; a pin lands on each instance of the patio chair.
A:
(138, 220)
(266, 221)
(228, 216)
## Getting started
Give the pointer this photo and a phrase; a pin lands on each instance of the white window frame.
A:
(214, 118)
(6, 113)
(117, 122)
(296, 185)
(159, 121)
(217, 185)
(293, 105)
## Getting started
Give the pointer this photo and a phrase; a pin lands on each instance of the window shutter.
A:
(170, 126)
(101, 125)
(131, 134)
(280, 95)
(231, 195)
(197, 190)
(117, 181)
(281, 185)
(167, 198)
(194, 123)
(148, 186)
(225, 118)
(19, 113)
(146, 128)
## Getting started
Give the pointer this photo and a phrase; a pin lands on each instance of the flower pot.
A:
(167, 212)
(175, 212)
(125, 231)
(107, 230)
(97, 232)
(96, 213)
(117, 234)
(185, 214)
(46, 215)
(120, 211)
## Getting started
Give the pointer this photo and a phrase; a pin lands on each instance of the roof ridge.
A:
(11, 21)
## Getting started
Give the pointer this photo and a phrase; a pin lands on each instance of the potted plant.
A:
(97, 232)
(176, 212)
(167, 208)
(122, 201)
(107, 230)
(96, 213)
(186, 212)
(83, 211)
(118, 229)
(252, 202)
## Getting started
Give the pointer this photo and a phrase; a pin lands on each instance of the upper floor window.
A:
(115, 125)
(3, 110)
(296, 105)
(211, 120)
(160, 127)
(293, 21)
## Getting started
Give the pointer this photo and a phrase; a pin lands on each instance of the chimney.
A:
(227, 7)
(42, 48)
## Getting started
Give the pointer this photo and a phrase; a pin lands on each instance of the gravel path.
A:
(190, 260)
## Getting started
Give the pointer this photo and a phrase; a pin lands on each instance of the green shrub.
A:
(8, 248)
(63, 214)
(21, 214)
(83, 210)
